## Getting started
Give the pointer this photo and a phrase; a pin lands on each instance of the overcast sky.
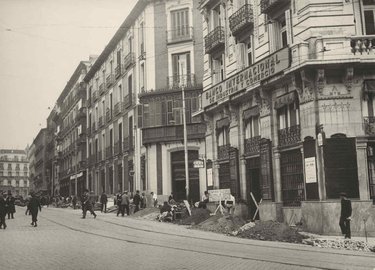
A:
(41, 44)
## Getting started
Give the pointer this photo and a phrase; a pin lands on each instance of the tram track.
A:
(338, 265)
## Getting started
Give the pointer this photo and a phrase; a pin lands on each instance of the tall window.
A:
(142, 77)
(288, 115)
(371, 170)
(245, 55)
(120, 93)
(217, 67)
(110, 103)
(281, 36)
(130, 85)
(120, 134)
(252, 127)
(369, 15)
(180, 23)
(181, 69)
(141, 38)
(130, 44)
(118, 58)
(223, 136)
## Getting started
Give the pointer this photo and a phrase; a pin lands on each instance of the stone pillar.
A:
(362, 167)
(321, 172)
(277, 176)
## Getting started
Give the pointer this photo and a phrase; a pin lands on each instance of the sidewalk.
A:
(370, 240)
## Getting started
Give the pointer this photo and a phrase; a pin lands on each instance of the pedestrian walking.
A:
(103, 201)
(10, 204)
(154, 199)
(118, 202)
(125, 203)
(136, 201)
(143, 201)
(345, 217)
(34, 206)
(87, 204)
(3, 211)
(27, 201)
(74, 202)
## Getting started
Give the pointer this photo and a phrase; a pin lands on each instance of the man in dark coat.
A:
(118, 202)
(136, 201)
(87, 204)
(34, 206)
(103, 201)
(11, 207)
(345, 217)
(3, 211)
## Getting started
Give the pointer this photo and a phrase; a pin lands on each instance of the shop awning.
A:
(286, 99)
(253, 111)
(369, 86)
(224, 122)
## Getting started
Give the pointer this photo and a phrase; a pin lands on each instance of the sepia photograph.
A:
(187, 134)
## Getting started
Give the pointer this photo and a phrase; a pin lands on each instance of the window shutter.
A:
(288, 22)
(140, 115)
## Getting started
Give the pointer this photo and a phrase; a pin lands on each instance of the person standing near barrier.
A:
(10, 203)
(345, 217)
(136, 201)
(34, 206)
(118, 202)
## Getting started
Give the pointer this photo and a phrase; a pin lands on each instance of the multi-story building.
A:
(135, 101)
(14, 172)
(69, 117)
(31, 158)
(39, 181)
(288, 95)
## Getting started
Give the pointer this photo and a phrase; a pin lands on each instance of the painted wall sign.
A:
(259, 71)
(216, 195)
(310, 170)
(209, 178)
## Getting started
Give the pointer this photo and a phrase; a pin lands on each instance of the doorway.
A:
(253, 185)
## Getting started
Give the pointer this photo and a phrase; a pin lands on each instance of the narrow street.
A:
(63, 240)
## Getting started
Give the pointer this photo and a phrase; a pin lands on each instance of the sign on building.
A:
(198, 163)
(310, 170)
(247, 78)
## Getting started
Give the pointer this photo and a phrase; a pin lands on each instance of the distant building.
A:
(14, 172)
(40, 179)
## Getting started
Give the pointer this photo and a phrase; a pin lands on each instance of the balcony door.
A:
(180, 23)
(181, 70)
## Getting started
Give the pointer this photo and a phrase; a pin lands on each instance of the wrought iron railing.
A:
(109, 81)
(214, 40)
(223, 152)
(252, 146)
(179, 34)
(118, 108)
(241, 19)
(129, 100)
(178, 81)
(267, 5)
(118, 71)
(129, 60)
(101, 89)
(94, 95)
(108, 115)
(109, 152)
(101, 123)
(290, 135)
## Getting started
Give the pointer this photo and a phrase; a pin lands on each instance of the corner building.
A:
(135, 102)
(288, 95)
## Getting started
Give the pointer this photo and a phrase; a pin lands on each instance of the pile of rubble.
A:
(269, 231)
(221, 224)
(347, 244)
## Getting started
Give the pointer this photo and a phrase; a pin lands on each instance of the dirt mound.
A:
(221, 224)
(144, 213)
(198, 215)
(271, 231)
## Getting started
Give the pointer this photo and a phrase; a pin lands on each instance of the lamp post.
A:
(185, 144)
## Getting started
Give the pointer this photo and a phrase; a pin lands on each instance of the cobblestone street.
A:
(63, 240)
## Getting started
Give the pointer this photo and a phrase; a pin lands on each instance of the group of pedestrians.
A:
(7, 207)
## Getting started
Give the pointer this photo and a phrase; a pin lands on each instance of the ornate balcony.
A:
(194, 131)
(242, 20)
(118, 148)
(95, 96)
(267, 6)
(187, 81)
(101, 89)
(362, 44)
(108, 115)
(128, 143)
(215, 40)
(101, 123)
(369, 125)
(129, 60)
(81, 114)
(109, 81)
(93, 127)
(252, 146)
(118, 71)
(289, 136)
(223, 152)
(129, 100)
(118, 108)
(109, 152)
(180, 34)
